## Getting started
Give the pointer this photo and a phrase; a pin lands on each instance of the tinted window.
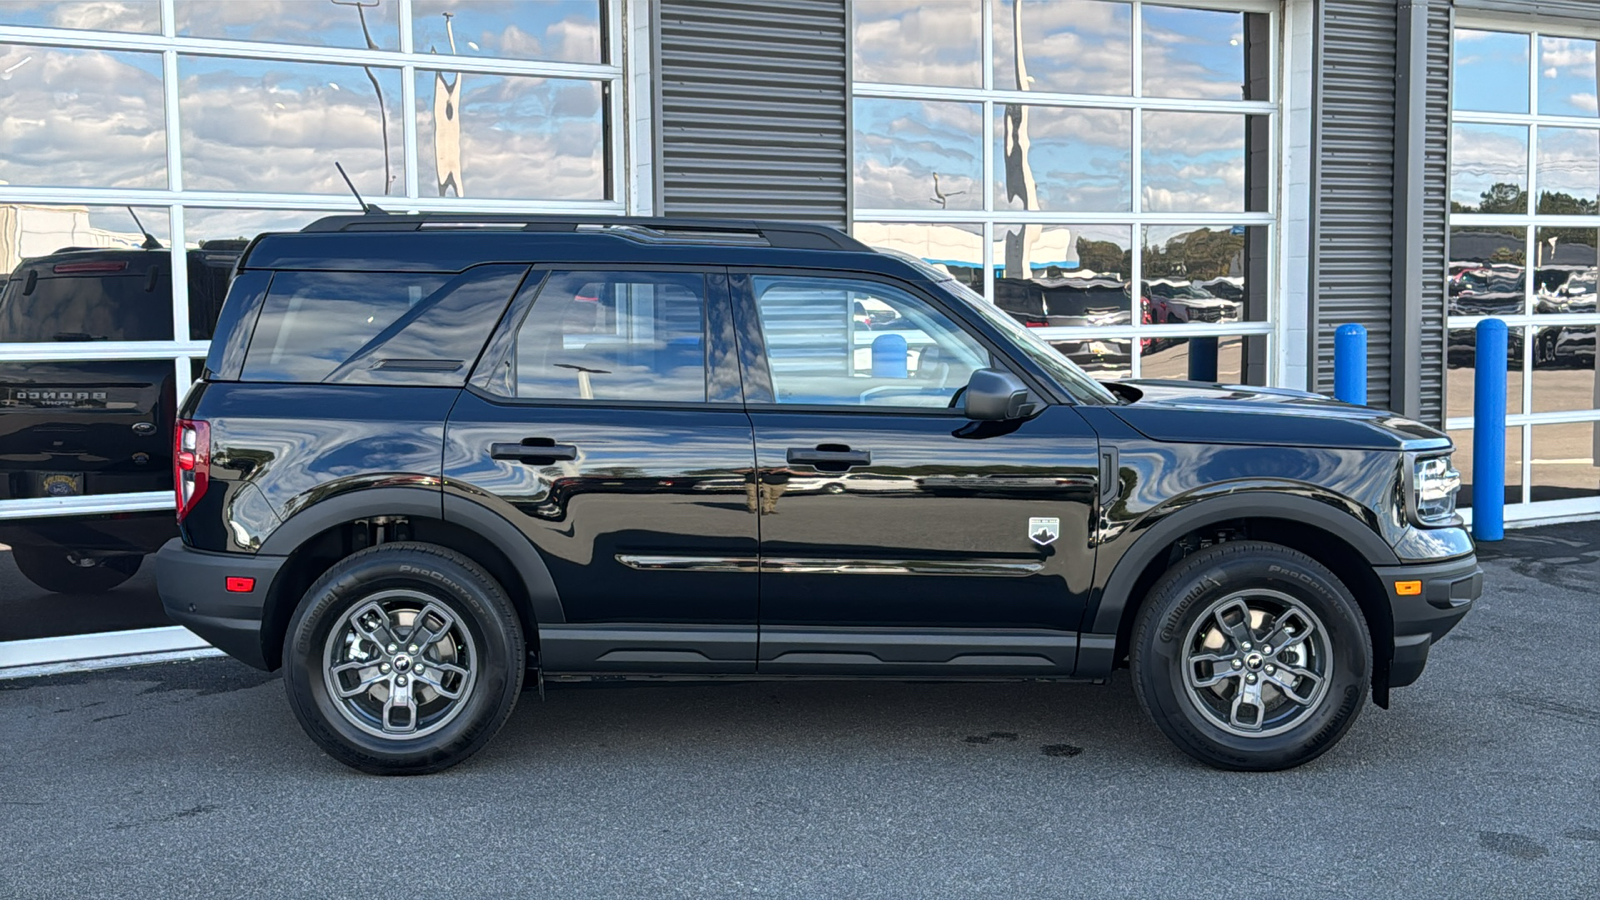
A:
(846, 342)
(614, 336)
(132, 304)
(313, 321)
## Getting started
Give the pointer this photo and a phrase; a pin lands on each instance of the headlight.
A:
(1434, 484)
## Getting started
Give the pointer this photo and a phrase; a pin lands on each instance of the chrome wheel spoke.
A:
(421, 636)
(402, 702)
(1299, 685)
(1281, 638)
(379, 636)
(1248, 711)
(1222, 669)
(447, 679)
(1239, 631)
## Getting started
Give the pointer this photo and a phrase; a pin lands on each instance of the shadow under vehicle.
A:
(72, 428)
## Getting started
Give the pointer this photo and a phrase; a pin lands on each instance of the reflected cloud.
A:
(136, 16)
(914, 42)
(325, 23)
(557, 30)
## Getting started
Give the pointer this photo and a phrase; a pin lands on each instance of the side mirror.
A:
(993, 395)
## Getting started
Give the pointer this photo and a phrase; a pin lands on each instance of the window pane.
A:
(956, 248)
(345, 23)
(1564, 282)
(1563, 463)
(81, 274)
(1487, 277)
(311, 322)
(1195, 162)
(912, 154)
(136, 16)
(614, 336)
(251, 125)
(1064, 275)
(1567, 82)
(1461, 372)
(1194, 53)
(860, 343)
(559, 30)
(1204, 275)
(913, 42)
(1569, 171)
(82, 118)
(1489, 169)
(1187, 359)
(1491, 71)
(1463, 461)
(506, 136)
(1077, 160)
(205, 227)
(1563, 368)
(1068, 46)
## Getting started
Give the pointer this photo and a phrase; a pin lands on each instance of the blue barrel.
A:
(1489, 433)
(1203, 359)
(889, 356)
(1350, 364)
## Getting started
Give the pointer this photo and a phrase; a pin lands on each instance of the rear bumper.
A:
(193, 588)
(1447, 591)
(110, 534)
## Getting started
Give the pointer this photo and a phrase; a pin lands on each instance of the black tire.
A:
(490, 640)
(1250, 575)
(58, 570)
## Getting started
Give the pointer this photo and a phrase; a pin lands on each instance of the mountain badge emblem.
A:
(1044, 531)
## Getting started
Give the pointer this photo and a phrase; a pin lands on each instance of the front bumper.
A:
(1446, 592)
(193, 588)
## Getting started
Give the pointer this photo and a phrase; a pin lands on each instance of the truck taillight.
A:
(191, 463)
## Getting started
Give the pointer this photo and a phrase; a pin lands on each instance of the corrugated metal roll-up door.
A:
(1436, 211)
(753, 109)
(1353, 222)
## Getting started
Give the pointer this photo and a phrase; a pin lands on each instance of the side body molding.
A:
(1115, 597)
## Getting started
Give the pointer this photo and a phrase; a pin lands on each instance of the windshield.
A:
(1077, 383)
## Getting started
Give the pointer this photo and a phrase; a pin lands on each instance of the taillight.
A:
(191, 463)
(97, 267)
(1036, 323)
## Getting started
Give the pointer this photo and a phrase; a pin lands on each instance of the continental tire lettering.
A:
(1292, 573)
(1170, 625)
(430, 575)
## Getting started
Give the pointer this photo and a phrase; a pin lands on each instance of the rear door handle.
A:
(829, 457)
(536, 451)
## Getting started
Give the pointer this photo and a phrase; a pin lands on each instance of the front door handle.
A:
(829, 457)
(535, 451)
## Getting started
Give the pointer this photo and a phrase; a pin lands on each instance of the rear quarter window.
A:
(377, 327)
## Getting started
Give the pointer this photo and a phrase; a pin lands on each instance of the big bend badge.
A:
(1044, 531)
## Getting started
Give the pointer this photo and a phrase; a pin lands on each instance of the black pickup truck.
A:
(84, 427)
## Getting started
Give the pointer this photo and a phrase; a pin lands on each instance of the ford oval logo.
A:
(143, 428)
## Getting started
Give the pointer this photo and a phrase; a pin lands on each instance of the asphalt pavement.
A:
(193, 779)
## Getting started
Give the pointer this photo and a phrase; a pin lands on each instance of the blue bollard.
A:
(1489, 433)
(889, 356)
(1203, 359)
(1350, 364)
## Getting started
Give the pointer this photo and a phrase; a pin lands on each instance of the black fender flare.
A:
(505, 537)
(1116, 596)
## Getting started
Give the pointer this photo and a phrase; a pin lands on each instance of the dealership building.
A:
(1237, 177)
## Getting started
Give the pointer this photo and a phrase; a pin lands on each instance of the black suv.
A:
(432, 456)
(89, 427)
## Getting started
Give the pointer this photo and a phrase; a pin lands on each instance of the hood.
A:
(1195, 412)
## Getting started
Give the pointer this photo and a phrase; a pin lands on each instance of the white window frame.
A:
(629, 138)
(1279, 366)
(1526, 508)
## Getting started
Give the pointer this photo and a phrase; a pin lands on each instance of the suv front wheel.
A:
(1251, 656)
(403, 659)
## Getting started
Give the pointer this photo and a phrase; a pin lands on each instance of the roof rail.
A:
(644, 229)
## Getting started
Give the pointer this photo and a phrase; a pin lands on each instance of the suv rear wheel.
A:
(1251, 656)
(403, 659)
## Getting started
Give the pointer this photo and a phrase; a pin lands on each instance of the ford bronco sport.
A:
(433, 456)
